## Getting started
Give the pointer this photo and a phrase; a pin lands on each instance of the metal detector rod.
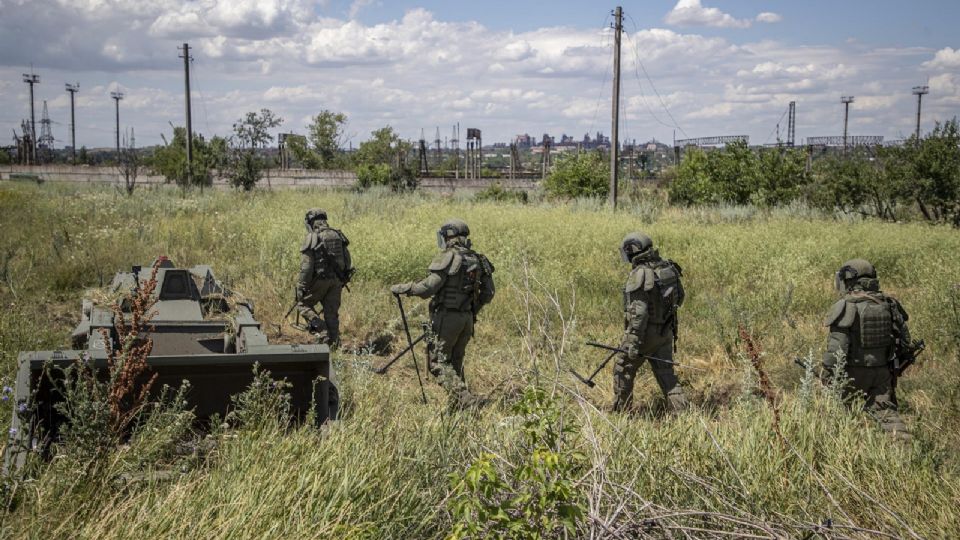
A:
(383, 369)
(589, 382)
(619, 350)
(406, 328)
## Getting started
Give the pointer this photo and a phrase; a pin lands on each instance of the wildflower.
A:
(13, 432)
(4, 398)
(7, 390)
(22, 407)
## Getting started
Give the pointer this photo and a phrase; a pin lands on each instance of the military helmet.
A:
(452, 228)
(853, 270)
(314, 214)
(634, 244)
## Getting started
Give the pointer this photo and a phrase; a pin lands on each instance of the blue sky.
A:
(695, 67)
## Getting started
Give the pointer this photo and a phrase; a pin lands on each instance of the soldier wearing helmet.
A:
(325, 268)
(867, 328)
(459, 285)
(651, 297)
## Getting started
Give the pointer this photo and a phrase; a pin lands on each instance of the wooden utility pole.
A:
(186, 84)
(73, 89)
(615, 128)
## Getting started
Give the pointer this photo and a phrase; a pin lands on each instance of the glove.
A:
(400, 288)
(632, 345)
(315, 324)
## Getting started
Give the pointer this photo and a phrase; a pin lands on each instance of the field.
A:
(395, 468)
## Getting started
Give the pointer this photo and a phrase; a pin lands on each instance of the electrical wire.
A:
(603, 83)
(777, 126)
(650, 80)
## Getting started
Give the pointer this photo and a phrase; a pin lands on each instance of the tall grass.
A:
(384, 471)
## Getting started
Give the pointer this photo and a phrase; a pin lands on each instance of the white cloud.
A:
(719, 110)
(358, 5)
(768, 17)
(409, 73)
(693, 13)
(946, 58)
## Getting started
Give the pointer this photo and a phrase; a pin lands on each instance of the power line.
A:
(650, 80)
(606, 73)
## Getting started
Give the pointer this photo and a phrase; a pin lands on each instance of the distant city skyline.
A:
(694, 67)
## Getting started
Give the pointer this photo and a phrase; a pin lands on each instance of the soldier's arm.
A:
(307, 265)
(838, 344)
(638, 317)
(840, 320)
(428, 286)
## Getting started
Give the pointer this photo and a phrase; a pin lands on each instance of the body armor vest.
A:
(462, 287)
(875, 326)
(329, 252)
(659, 288)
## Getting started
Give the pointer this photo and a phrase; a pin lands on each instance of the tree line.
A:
(920, 178)
(241, 159)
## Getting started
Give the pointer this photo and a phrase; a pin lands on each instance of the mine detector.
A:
(201, 333)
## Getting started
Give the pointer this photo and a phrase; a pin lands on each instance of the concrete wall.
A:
(272, 178)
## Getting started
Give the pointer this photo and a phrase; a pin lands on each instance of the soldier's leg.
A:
(882, 403)
(447, 328)
(624, 375)
(664, 372)
(318, 294)
(305, 306)
(331, 313)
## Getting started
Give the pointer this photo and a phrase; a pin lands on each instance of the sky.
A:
(690, 68)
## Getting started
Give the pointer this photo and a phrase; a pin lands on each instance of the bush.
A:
(579, 175)
(369, 175)
(534, 498)
(497, 193)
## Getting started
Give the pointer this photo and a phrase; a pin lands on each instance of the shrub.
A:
(579, 175)
(534, 498)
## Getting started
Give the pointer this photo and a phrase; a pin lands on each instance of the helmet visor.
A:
(441, 241)
(624, 255)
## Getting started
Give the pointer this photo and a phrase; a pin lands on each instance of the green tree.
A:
(728, 175)
(170, 160)
(844, 182)
(782, 176)
(326, 134)
(579, 175)
(251, 132)
(936, 168)
(692, 183)
(380, 161)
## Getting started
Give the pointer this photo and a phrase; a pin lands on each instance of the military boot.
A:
(891, 422)
(677, 401)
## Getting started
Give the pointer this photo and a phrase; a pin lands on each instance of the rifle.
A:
(905, 357)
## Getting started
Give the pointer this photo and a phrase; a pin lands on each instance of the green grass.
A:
(383, 472)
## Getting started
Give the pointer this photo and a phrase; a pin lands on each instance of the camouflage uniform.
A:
(652, 294)
(325, 267)
(866, 329)
(460, 284)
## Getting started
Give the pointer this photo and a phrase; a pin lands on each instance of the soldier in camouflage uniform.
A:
(867, 328)
(460, 283)
(652, 294)
(325, 268)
